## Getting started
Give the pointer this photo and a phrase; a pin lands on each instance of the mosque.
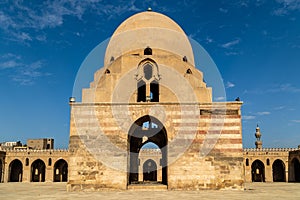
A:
(149, 91)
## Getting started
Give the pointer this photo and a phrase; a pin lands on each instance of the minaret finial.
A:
(258, 142)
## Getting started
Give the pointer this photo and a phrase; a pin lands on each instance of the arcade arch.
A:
(15, 171)
(278, 169)
(60, 172)
(258, 171)
(296, 169)
(38, 171)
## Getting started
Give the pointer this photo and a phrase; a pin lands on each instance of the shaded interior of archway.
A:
(16, 171)
(278, 169)
(149, 170)
(60, 171)
(1, 167)
(144, 130)
(258, 171)
(38, 171)
(296, 166)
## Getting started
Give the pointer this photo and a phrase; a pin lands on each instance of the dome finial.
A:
(149, 9)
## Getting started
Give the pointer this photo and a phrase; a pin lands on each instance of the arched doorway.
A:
(258, 171)
(296, 166)
(1, 167)
(60, 171)
(15, 171)
(38, 171)
(145, 130)
(278, 168)
(149, 170)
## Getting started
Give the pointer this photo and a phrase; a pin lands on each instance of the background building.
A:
(43, 143)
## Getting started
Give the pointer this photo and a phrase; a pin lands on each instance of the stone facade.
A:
(149, 91)
(153, 81)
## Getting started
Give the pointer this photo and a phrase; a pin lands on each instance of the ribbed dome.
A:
(149, 29)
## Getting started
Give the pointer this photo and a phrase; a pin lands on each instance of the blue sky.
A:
(254, 43)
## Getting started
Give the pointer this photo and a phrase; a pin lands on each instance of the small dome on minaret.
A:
(258, 142)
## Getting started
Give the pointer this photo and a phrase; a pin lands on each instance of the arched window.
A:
(27, 162)
(148, 51)
(141, 97)
(247, 162)
(189, 71)
(148, 71)
(49, 162)
(154, 91)
(268, 161)
(184, 59)
(147, 81)
(107, 71)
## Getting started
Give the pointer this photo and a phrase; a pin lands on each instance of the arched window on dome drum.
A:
(141, 96)
(148, 72)
(148, 51)
(154, 91)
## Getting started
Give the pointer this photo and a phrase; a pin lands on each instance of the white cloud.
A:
(41, 38)
(223, 10)
(230, 44)
(279, 88)
(24, 74)
(280, 108)
(296, 120)
(9, 64)
(230, 85)
(209, 40)
(9, 61)
(264, 113)
(232, 53)
(286, 87)
(220, 98)
(18, 18)
(248, 117)
(286, 6)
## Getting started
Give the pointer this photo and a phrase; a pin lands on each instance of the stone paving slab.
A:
(43, 191)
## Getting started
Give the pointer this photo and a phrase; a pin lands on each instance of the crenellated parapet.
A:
(270, 149)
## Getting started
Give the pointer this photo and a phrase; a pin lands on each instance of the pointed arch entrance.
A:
(146, 129)
(278, 169)
(296, 169)
(15, 171)
(258, 171)
(149, 170)
(60, 171)
(38, 171)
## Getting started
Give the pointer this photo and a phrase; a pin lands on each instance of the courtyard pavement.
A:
(253, 191)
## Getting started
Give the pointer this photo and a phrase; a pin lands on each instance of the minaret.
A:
(258, 142)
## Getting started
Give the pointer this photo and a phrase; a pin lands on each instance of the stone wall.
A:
(28, 157)
(212, 158)
(267, 156)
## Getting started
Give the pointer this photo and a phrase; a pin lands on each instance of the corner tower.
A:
(149, 91)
